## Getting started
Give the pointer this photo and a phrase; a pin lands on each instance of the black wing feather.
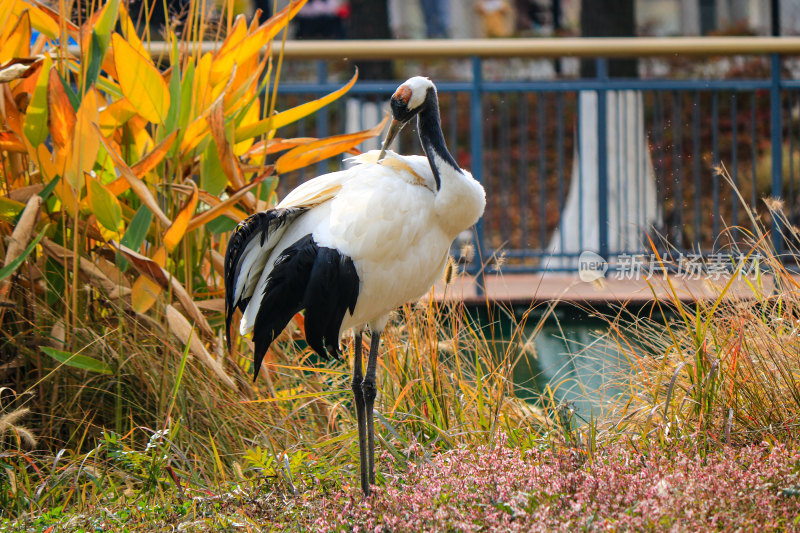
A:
(318, 279)
(260, 225)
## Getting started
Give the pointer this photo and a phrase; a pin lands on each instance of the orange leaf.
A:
(148, 162)
(9, 142)
(216, 121)
(144, 293)
(61, 116)
(177, 230)
(305, 155)
(221, 207)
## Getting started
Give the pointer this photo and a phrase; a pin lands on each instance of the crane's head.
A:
(407, 101)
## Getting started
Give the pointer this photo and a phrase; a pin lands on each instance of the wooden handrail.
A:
(542, 47)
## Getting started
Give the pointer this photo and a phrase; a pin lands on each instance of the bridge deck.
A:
(524, 289)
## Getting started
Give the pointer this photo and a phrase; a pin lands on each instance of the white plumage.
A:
(387, 218)
(351, 246)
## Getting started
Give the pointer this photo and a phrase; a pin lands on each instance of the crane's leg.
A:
(370, 391)
(358, 379)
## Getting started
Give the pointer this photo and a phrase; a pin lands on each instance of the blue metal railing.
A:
(522, 140)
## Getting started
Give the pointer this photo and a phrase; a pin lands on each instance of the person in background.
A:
(497, 18)
(322, 19)
(437, 18)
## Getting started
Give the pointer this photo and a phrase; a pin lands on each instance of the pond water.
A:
(571, 353)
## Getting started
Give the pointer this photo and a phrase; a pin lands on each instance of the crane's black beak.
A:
(394, 129)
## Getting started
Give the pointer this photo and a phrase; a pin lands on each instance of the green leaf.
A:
(9, 269)
(73, 97)
(10, 209)
(137, 231)
(76, 360)
(104, 205)
(105, 24)
(212, 177)
(174, 93)
(221, 224)
(96, 53)
(48, 189)
(35, 126)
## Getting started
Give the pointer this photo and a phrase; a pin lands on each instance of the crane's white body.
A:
(388, 218)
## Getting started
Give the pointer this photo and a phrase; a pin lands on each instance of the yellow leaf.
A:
(115, 115)
(144, 294)
(129, 30)
(18, 41)
(41, 21)
(305, 155)
(140, 81)
(250, 117)
(68, 195)
(177, 230)
(86, 140)
(291, 115)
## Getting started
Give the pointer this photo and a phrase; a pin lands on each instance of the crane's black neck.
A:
(430, 135)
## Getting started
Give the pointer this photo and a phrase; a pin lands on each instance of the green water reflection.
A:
(572, 353)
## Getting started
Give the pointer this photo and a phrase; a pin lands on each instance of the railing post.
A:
(602, 159)
(776, 145)
(476, 148)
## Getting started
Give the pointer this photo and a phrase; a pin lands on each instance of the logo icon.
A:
(591, 266)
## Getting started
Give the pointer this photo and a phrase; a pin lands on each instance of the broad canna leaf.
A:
(305, 155)
(177, 230)
(35, 125)
(140, 81)
(18, 41)
(86, 139)
(291, 115)
(43, 19)
(61, 114)
(76, 360)
(104, 205)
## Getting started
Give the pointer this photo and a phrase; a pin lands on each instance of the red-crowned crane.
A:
(351, 246)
